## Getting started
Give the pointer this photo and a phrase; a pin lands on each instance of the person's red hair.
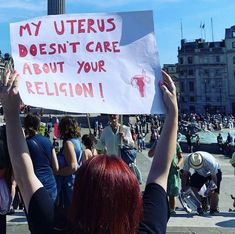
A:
(106, 198)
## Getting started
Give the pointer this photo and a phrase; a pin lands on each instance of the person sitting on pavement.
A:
(107, 196)
(206, 168)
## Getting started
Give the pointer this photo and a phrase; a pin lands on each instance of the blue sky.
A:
(167, 17)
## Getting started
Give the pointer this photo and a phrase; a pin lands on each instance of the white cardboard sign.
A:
(89, 63)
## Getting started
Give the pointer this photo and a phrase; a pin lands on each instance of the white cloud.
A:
(28, 5)
(16, 10)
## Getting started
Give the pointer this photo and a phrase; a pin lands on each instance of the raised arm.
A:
(166, 145)
(18, 150)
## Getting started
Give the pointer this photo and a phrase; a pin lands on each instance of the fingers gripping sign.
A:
(169, 92)
(9, 83)
(9, 91)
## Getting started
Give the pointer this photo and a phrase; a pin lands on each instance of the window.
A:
(190, 60)
(206, 59)
(206, 72)
(191, 86)
(192, 108)
(218, 72)
(208, 99)
(219, 99)
(234, 34)
(217, 59)
(233, 60)
(192, 99)
(190, 72)
(182, 86)
(234, 74)
(233, 44)
(181, 60)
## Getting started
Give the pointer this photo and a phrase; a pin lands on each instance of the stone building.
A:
(206, 73)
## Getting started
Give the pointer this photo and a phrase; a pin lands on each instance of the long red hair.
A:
(106, 198)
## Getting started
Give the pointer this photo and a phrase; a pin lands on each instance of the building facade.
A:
(206, 73)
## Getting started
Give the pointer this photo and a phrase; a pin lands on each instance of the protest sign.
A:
(89, 63)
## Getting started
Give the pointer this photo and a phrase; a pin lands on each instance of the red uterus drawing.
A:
(139, 82)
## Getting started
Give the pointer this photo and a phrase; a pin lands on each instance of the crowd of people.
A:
(85, 186)
(105, 194)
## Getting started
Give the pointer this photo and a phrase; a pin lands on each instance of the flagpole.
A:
(212, 31)
(201, 29)
(181, 29)
(203, 26)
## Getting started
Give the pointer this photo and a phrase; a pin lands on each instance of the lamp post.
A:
(55, 7)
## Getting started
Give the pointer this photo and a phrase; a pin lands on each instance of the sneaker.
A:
(200, 211)
(214, 212)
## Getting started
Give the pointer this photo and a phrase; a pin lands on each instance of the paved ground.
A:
(181, 223)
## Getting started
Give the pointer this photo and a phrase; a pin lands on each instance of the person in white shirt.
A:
(206, 168)
(110, 139)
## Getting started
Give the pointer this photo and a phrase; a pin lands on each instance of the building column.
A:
(55, 7)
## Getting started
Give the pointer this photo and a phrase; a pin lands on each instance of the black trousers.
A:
(3, 224)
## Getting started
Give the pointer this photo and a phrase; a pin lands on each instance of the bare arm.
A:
(54, 161)
(18, 150)
(214, 178)
(166, 144)
(180, 160)
(86, 154)
(185, 177)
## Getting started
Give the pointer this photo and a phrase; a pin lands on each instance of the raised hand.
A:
(9, 90)
(169, 93)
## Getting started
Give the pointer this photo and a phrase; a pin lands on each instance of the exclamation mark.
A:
(101, 90)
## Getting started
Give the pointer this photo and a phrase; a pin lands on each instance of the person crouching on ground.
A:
(206, 168)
